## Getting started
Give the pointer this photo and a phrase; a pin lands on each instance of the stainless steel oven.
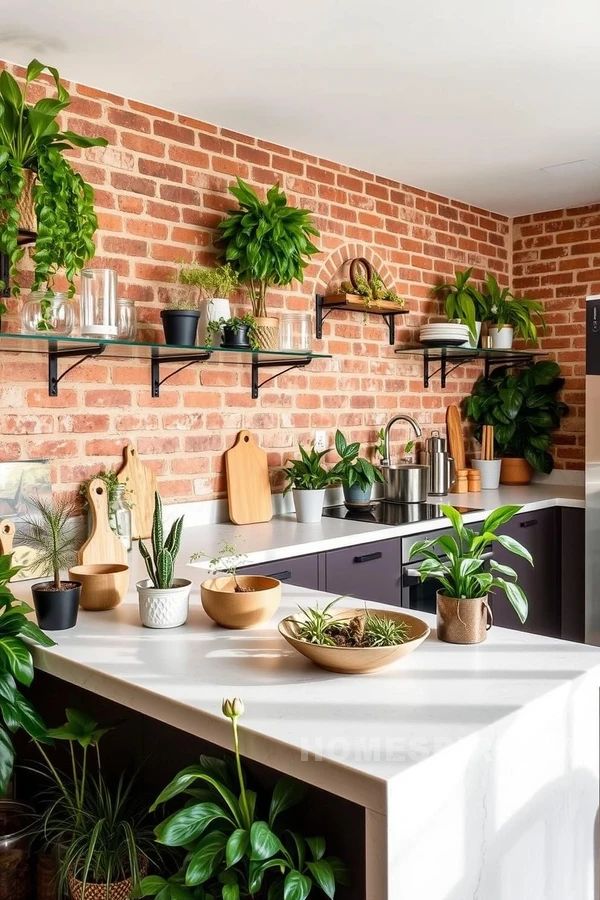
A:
(416, 594)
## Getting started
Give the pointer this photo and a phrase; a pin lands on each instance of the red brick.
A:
(133, 183)
(126, 119)
(141, 144)
(189, 157)
(174, 132)
(160, 170)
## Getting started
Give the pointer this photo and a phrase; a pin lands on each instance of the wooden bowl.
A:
(356, 660)
(241, 609)
(103, 585)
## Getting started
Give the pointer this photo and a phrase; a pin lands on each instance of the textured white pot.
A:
(502, 338)
(164, 607)
(490, 472)
(309, 505)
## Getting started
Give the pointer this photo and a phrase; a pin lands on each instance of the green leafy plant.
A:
(51, 532)
(366, 629)
(103, 831)
(16, 669)
(31, 140)
(460, 570)
(219, 281)
(353, 469)
(235, 844)
(110, 479)
(463, 301)
(235, 322)
(373, 291)
(226, 562)
(380, 444)
(503, 308)
(266, 243)
(308, 473)
(161, 564)
(523, 408)
(183, 303)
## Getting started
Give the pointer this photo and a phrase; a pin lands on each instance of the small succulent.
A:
(161, 564)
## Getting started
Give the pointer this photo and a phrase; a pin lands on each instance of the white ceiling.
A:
(467, 98)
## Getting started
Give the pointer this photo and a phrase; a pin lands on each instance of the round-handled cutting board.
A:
(102, 546)
(140, 483)
(248, 487)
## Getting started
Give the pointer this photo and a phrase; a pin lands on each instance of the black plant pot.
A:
(180, 326)
(56, 610)
(235, 336)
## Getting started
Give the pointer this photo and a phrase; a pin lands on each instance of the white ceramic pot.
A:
(473, 342)
(502, 338)
(490, 472)
(164, 607)
(309, 505)
(217, 308)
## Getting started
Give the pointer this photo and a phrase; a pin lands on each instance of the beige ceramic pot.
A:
(515, 470)
(463, 621)
(240, 609)
(267, 332)
(103, 586)
(356, 660)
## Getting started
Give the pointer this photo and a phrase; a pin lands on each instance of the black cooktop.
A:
(382, 513)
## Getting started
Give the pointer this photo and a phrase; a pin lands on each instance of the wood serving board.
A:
(456, 442)
(248, 487)
(22, 556)
(102, 546)
(140, 483)
(355, 301)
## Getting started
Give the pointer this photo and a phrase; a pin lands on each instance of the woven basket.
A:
(25, 207)
(267, 333)
(119, 890)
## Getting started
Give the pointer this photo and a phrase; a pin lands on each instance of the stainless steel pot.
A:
(405, 484)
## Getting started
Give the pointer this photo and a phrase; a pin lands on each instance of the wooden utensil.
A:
(7, 533)
(473, 480)
(22, 556)
(140, 483)
(455, 437)
(102, 546)
(248, 487)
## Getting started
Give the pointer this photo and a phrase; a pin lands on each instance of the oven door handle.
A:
(412, 576)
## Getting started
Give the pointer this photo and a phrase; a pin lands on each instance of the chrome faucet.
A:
(386, 438)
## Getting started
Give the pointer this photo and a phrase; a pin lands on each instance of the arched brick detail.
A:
(342, 254)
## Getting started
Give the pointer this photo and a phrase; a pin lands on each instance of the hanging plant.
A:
(31, 157)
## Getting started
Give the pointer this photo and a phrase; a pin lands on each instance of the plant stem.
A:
(243, 800)
(55, 774)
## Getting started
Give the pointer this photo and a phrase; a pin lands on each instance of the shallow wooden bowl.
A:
(232, 609)
(356, 660)
(103, 585)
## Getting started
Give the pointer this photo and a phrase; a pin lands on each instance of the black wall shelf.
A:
(389, 315)
(450, 358)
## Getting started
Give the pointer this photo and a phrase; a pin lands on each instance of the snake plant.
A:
(161, 564)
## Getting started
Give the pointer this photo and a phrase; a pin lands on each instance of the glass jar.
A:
(16, 873)
(119, 515)
(295, 332)
(99, 304)
(48, 311)
(126, 319)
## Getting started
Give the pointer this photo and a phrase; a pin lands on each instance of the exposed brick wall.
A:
(161, 188)
(556, 259)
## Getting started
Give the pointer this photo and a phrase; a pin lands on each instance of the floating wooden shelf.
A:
(450, 358)
(354, 303)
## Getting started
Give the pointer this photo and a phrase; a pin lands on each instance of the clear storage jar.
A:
(295, 332)
(48, 311)
(126, 320)
(16, 867)
(99, 304)
(119, 516)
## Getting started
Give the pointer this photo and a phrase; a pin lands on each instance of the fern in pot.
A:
(163, 599)
(464, 615)
(356, 473)
(308, 479)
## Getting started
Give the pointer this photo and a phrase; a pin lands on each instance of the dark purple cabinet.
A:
(300, 570)
(369, 571)
(572, 574)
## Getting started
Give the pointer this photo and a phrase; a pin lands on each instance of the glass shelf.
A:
(450, 358)
(82, 348)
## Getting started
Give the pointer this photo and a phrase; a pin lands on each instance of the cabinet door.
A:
(300, 570)
(572, 575)
(539, 531)
(369, 572)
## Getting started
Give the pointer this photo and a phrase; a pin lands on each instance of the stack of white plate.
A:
(444, 334)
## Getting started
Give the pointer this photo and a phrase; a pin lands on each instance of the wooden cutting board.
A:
(248, 487)
(22, 556)
(456, 442)
(140, 483)
(102, 546)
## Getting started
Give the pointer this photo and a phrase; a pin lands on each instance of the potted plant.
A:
(232, 600)
(352, 641)
(267, 243)
(307, 479)
(463, 612)
(523, 408)
(102, 830)
(242, 846)
(237, 332)
(41, 195)
(51, 532)
(214, 286)
(355, 472)
(366, 288)
(510, 316)
(464, 303)
(180, 322)
(163, 599)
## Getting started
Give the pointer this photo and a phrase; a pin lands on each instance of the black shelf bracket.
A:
(448, 364)
(258, 364)
(323, 311)
(54, 355)
(157, 360)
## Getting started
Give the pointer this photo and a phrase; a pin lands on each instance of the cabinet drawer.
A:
(368, 571)
(300, 570)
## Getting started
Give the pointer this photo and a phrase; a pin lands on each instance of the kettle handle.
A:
(451, 472)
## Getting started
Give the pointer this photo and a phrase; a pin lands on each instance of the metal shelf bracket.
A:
(258, 364)
(156, 361)
(54, 354)
(323, 312)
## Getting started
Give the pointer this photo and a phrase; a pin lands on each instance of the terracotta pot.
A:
(515, 470)
(240, 609)
(103, 586)
(463, 621)
(267, 332)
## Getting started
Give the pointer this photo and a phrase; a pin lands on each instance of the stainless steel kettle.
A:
(442, 471)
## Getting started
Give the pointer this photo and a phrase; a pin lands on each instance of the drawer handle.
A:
(528, 523)
(367, 557)
(280, 576)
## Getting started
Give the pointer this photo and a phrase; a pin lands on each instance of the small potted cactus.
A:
(164, 600)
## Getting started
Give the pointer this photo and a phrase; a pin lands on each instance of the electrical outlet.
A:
(320, 441)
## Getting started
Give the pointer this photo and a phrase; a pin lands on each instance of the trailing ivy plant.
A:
(31, 139)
